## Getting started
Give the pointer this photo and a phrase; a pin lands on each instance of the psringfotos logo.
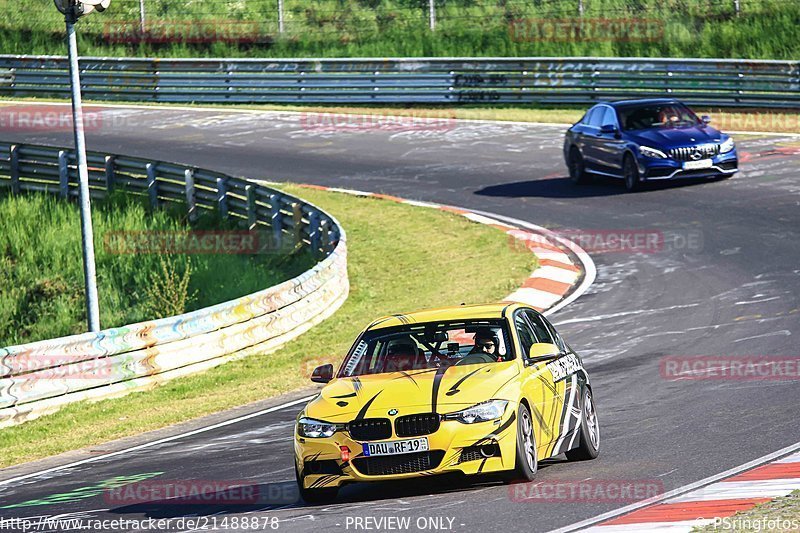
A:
(186, 32)
(584, 491)
(569, 30)
(341, 122)
(741, 368)
(743, 523)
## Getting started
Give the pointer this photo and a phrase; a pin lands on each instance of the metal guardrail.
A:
(579, 80)
(39, 377)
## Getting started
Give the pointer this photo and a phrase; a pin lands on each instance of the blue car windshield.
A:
(648, 116)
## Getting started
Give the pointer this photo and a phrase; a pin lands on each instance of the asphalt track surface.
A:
(732, 290)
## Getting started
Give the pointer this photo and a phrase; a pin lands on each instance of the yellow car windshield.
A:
(431, 345)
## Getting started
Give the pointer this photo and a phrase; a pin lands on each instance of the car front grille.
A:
(398, 464)
(416, 425)
(694, 153)
(370, 429)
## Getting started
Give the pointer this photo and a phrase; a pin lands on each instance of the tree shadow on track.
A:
(563, 187)
(284, 495)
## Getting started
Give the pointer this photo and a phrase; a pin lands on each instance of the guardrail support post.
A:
(313, 232)
(252, 213)
(276, 220)
(297, 217)
(152, 185)
(222, 197)
(325, 235)
(110, 169)
(63, 173)
(14, 162)
(191, 199)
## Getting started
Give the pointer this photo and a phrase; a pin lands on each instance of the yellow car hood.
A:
(439, 390)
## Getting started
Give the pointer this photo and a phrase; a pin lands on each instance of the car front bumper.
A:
(666, 169)
(455, 447)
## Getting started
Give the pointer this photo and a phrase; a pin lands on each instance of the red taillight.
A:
(345, 453)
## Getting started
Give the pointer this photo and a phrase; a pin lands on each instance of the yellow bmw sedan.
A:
(470, 389)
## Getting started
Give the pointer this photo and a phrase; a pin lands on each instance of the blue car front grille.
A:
(694, 153)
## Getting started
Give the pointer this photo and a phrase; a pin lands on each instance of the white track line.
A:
(679, 491)
(157, 442)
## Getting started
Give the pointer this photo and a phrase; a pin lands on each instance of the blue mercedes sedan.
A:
(647, 140)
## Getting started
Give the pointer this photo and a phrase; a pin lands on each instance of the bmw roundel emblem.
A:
(392, 412)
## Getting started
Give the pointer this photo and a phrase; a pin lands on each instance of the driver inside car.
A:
(486, 343)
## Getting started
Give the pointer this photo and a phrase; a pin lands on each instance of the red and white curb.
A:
(708, 501)
(556, 275)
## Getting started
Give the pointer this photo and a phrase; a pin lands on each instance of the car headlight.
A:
(482, 412)
(652, 152)
(315, 429)
(727, 145)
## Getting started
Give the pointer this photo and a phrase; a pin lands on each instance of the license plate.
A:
(395, 447)
(694, 165)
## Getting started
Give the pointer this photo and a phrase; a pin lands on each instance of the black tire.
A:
(589, 439)
(526, 462)
(577, 170)
(631, 173)
(315, 496)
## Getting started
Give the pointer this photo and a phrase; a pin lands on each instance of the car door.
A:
(563, 372)
(585, 134)
(538, 388)
(607, 144)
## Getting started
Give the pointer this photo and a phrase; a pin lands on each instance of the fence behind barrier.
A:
(578, 80)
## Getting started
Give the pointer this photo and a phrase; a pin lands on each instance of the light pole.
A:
(72, 10)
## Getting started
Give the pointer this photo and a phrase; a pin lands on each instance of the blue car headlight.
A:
(727, 145)
(652, 152)
(482, 412)
(315, 429)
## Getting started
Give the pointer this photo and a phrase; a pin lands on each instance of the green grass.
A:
(401, 258)
(41, 268)
(781, 514)
(381, 28)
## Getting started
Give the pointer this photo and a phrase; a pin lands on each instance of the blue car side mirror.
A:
(608, 128)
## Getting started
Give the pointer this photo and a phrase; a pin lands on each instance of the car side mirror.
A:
(608, 128)
(322, 374)
(706, 119)
(542, 351)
